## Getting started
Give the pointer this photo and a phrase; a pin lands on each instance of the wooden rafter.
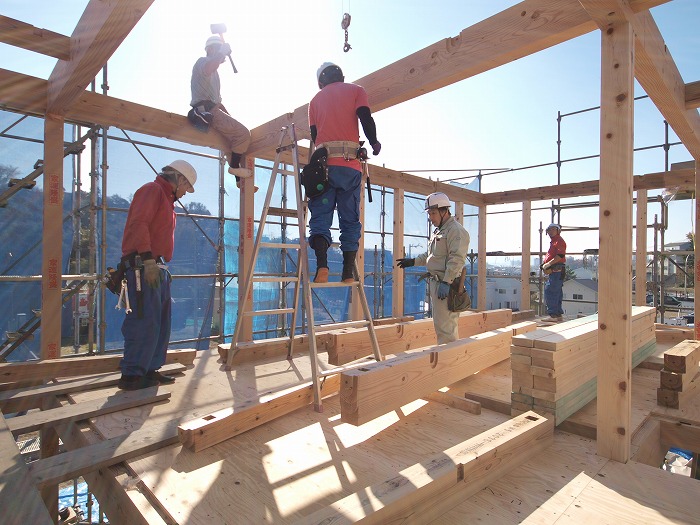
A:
(692, 95)
(100, 31)
(27, 36)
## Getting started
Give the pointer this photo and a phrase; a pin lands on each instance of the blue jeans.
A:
(146, 338)
(343, 193)
(553, 295)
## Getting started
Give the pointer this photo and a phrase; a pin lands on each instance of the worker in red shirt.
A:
(333, 115)
(554, 266)
(147, 245)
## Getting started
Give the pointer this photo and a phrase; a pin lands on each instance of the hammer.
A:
(220, 29)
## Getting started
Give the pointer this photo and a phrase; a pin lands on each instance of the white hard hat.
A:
(553, 225)
(212, 40)
(186, 169)
(437, 200)
(324, 66)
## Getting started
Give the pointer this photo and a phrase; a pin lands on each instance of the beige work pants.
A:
(446, 323)
(235, 133)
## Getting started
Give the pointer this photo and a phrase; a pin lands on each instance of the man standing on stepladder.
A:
(333, 115)
(444, 260)
(554, 266)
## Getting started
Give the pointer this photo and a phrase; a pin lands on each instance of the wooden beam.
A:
(397, 274)
(692, 95)
(444, 397)
(684, 178)
(429, 489)
(31, 38)
(219, 426)
(19, 499)
(100, 31)
(381, 387)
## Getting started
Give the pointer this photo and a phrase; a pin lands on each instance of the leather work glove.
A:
(376, 148)
(405, 263)
(225, 49)
(443, 290)
(151, 273)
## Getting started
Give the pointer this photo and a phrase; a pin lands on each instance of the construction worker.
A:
(444, 260)
(333, 115)
(206, 101)
(554, 267)
(147, 245)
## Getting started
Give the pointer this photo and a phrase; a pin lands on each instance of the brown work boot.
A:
(321, 275)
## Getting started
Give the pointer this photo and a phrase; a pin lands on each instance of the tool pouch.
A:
(113, 278)
(458, 299)
(314, 176)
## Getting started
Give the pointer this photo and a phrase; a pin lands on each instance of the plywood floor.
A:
(307, 460)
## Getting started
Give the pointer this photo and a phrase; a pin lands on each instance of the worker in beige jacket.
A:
(444, 260)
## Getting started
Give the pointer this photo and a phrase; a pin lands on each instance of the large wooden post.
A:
(481, 280)
(615, 299)
(52, 260)
(397, 288)
(696, 281)
(640, 293)
(246, 232)
(525, 270)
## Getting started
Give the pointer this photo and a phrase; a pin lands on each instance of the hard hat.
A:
(329, 73)
(553, 225)
(213, 40)
(437, 200)
(322, 68)
(186, 169)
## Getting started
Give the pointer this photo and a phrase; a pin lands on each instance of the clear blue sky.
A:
(505, 118)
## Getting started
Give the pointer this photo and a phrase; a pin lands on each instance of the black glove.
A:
(405, 263)
(443, 290)
(376, 148)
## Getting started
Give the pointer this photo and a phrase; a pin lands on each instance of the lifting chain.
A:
(345, 23)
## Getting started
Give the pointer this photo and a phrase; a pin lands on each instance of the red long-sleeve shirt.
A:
(150, 224)
(557, 246)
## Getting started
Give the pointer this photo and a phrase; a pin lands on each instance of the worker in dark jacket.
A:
(147, 245)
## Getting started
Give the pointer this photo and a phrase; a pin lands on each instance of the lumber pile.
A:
(679, 377)
(350, 344)
(555, 368)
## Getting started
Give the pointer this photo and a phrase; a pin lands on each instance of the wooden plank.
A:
(489, 403)
(674, 398)
(580, 429)
(219, 426)
(380, 387)
(101, 29)
(640, 259)
(75, 463)
(71, 367)
(261, 349)
(85, 410)
(27, 398)
(676, 381)
(461, 403)
(685, 356)
(27, 36)
(432, 487)
(20, 501)
(481, 261)
(692, 95)
(647, 441)
(673, 334)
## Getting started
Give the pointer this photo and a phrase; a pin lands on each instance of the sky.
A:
(502, 119)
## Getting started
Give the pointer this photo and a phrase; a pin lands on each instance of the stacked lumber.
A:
(679, 377)
(555, 368)
(350, 344)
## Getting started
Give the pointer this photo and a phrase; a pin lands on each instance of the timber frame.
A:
(632, 48)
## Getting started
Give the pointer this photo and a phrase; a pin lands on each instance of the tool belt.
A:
(341, 148)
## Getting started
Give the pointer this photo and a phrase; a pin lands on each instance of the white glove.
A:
(151, 273)
(225, 49)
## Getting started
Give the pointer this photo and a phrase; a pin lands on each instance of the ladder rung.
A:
(340, 326)
(286, 172)
(283, 245)
(275, 279)
(282, 212)
(277, 311)
(333, 285)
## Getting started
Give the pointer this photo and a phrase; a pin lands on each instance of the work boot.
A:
(162, 379)
(320, 246)
(553, 319)
(132, 382)
(349, 267)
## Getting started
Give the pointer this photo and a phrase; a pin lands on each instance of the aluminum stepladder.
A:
(302, 280)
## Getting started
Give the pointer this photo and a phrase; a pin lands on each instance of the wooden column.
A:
(398, 273)
(641, 252)
(615, 308)
(696, 281)
(459, 212)
(246, 232)
(525, 271)
(52, 260)
(481, 280)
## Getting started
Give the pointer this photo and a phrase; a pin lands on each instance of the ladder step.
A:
(277, 311)
(340, 326)
(283, 245)
(286, 172)
(282, 212)
(333, 285)
(275, 279)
